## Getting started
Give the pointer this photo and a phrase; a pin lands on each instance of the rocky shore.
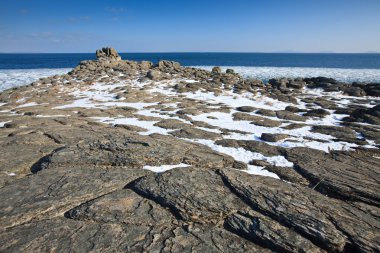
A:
(124, 156)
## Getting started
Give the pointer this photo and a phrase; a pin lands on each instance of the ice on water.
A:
(343, 75)
(10, 78)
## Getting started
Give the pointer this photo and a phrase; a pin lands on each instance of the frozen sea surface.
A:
(340, 74)
(10, 78)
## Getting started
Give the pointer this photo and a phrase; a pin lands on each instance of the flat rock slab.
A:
(193, 195)
(201, 196)
(122, 206)
(51, 192)
(288, 205)
(273, 137)
(172, 124)
(65, 235)
(135, 151)
(290, 116)
(337, 174)
(256, 120)
(253, 146)
(195, 133)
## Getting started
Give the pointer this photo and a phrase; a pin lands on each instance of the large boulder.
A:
(107, 53)
(216, 70)
(168, 66)
(154, 75)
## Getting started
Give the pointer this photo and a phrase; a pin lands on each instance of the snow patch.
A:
(27, 105)
(236, 100)
(3, 123)
(149, 125)
(242, 155)
(163, 168)
(52, 116)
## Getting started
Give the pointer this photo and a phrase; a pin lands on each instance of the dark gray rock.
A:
(317, 113)
(193, 195)
(51, 192)
(273, 137)
(337, 174)
(290, 116)
(290, 207)
(195, 133)
(168, 66)
(172, 124)
(216, 70)
(257, 120)
(246, 109)
(253, 146)
(267, 232)
(266, 112)
(154, 75)
(340, 133)
(66, 235)
(288, 174)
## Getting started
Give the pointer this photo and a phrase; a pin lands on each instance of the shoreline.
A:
(128, 150)
(10, 78)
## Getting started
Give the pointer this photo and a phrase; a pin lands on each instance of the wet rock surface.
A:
(124, 156)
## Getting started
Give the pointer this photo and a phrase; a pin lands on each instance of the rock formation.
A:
(107, 53)
(124, 156)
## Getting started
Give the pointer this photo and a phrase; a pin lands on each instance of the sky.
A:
(68, 26)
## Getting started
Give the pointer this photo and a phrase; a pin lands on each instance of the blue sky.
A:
(190, 25)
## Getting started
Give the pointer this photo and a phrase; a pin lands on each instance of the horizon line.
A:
(201, 52)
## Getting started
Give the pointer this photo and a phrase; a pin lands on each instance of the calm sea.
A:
(346, 61)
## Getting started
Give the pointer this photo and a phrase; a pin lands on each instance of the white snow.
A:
(210, 130)
(27, 105)
(52, 116)
(82, 103)
(236, 100)
(161, 114)
(22, 100)
(99, 95)
(3, 123)
(10, 174)
(258, 170)
(190, 81)
(225, 120)
(149, 125)
(242, 155)
(98, 92)
(163, 168)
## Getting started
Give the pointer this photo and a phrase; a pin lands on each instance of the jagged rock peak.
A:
(107, 53)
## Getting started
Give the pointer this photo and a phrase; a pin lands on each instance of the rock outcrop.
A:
(107, 53)
(125, 156)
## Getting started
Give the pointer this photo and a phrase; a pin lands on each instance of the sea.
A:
(22, 69)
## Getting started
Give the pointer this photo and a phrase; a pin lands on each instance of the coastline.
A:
(191, 156)
(10, 78)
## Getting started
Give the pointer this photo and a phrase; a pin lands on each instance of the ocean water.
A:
(21, 69)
